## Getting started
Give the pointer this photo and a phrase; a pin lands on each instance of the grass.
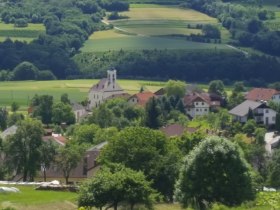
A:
(31, 199)
(77, 90)
(147, 24)
(149, 43)
(21, 34)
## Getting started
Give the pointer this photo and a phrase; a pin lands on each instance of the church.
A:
(106, 88)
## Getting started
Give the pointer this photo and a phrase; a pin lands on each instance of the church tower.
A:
(112, 77)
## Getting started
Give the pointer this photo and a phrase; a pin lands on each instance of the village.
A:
(193, 105)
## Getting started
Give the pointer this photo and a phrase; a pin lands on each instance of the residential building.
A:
(104, 89)
(141, 98)
(261, 94)
(197, 104)
(79, 111)
(262, 113)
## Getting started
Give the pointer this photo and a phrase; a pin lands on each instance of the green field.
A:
(31, 199)
(77, 90)
(151, 26)
(21, 34)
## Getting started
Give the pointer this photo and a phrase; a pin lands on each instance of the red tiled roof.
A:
(176, 130)
(190, 98)
(58, 139)
(258, 94)
(143, 97)
(173, 130)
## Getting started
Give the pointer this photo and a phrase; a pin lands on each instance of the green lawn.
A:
(77, 90)
(31, 199)
(21, 34)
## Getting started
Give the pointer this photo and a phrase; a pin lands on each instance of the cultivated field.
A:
(21, 34)
(77, 90)
(151, 26)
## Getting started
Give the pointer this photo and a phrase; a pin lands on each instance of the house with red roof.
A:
(263, 94)
(197, 104)
(105, 88)
(141, 98)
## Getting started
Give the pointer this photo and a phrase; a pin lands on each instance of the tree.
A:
(14, 106)
(273, 177)
(64, 98)
(277, 122)
(249, 127)
(211, 31)
(42, 108)
(3, 118)
(215, 171)
(48, 151)
(175, 88)
(113, 185)
(217, 86)
(25, 71)
(85, 134)
(68, 158)
(23, 148)
(152, 115)
(62, 113)
(143, 149)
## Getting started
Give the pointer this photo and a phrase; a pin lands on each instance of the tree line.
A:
(202, 66)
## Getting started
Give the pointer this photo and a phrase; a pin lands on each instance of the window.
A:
(196, 103)
(273, 119)
(202, 103)
(205, 110)
(197, 110)
(189, 110)
(85, 166)
(266, 111)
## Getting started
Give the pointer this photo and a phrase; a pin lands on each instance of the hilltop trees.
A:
(215, 171)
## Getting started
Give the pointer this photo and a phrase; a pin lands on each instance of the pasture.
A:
(151, 26)
(77, 90)
(21, 34)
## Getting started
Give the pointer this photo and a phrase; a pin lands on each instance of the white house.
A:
(261, 112)
(79, 111)
(197, 104)
(104, 89)
(276, 97)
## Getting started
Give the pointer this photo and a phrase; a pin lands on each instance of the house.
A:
(176, 130)
(262, 94)
(141, 98)
(261, 112)
(85, 168)
(160, 92)
(79, 111)
(276, 97)
(104, 89)
(197, 104)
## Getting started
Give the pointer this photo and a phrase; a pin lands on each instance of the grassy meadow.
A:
(77, 90)
(21, 34)
(151, 26)
(31, 199)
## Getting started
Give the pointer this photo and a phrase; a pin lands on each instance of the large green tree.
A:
(274, 170)
(23, 148)
(217, 86)
(68, 158)
(152, 114)
(149, 151)
(113, 185)
(215, 171)
(42, 108)
(62, 113)
(175, 88)
(25, 71)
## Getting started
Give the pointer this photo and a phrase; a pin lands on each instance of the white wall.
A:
(276, 98)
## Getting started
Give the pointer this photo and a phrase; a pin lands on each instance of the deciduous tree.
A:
(215, 171)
